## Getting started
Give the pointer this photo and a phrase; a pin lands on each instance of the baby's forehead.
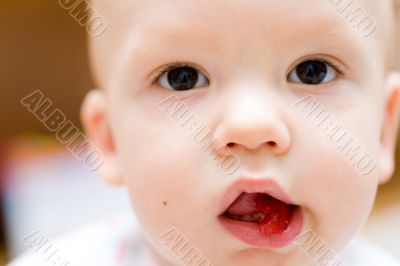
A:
(184, 19)
(347, 9)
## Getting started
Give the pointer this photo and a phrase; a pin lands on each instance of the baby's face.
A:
(261, 78)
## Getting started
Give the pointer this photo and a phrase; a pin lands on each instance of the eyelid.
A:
(174, 65)
(322, 58)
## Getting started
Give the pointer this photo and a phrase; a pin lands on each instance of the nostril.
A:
(271, 143)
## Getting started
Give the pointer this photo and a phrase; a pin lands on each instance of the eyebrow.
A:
(165, 34)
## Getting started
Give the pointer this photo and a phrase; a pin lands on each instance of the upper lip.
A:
(252, 185)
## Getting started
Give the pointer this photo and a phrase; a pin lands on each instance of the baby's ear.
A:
(390, 127)
(95, 120)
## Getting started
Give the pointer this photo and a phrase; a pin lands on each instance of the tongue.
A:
(272, 215)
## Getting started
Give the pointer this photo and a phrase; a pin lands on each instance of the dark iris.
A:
(312, 72)
(182, 78)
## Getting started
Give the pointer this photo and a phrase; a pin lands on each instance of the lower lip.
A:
(250, 233)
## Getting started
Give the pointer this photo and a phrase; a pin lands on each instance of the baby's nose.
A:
(253, 121)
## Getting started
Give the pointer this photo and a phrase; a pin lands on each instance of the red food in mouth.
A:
(272, 215)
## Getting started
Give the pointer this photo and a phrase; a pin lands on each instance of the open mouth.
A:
(259, 213)
(272, 215)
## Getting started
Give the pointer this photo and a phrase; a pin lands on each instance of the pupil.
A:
(312, 72)
(182, 78)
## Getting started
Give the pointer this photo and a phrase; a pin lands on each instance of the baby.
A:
(246, 132)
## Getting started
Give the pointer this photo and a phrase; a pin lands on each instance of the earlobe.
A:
(390, 127)
(97, 127)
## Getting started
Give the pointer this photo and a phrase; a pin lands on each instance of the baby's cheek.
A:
(162, 168)
(338, 196)
(350, 207)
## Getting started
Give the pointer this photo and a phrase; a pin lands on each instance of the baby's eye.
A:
(182, 78)
(312, 72)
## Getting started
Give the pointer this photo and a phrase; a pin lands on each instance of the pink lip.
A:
(249, 232)
(249, 185)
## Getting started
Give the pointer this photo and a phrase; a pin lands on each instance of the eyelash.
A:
(340, 70)
(178, 64)
(169, 67)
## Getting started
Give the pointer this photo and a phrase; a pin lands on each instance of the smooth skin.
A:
(246, 50)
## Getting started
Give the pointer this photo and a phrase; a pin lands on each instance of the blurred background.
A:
(43, 186)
